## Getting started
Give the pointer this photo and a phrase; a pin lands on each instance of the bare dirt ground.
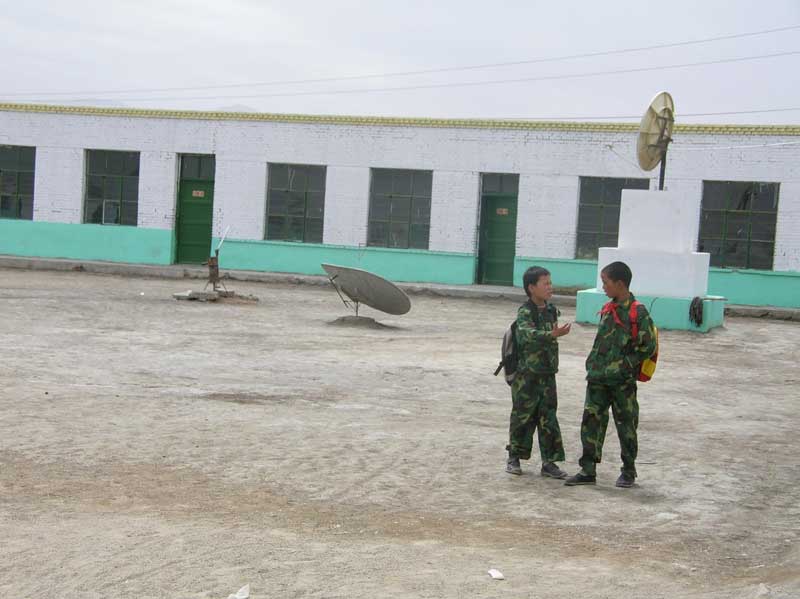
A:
(156, 448)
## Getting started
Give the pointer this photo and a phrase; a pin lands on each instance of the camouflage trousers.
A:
(622, 401)
(534, 404)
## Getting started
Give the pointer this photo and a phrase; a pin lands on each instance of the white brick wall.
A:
(549, 163)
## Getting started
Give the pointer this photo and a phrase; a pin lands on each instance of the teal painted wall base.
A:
(667, 312)
(747, 287)
(305, 258)
(86, 242)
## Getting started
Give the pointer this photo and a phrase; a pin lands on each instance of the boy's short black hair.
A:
(532, 276)
(619, 271)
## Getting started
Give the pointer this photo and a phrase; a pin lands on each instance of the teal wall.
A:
(86, 242)
(748, 287)
(305, 258)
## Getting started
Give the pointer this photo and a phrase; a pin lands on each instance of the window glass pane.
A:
(190, 167)
(207, 166)
(586, 246)
(295, 229)
(130, 189)
(97, 162)
(129, 213)
(26, 183)
(94, 211)
(111, 213)
(278, 176)
(715, 195)
(26, 207)
(398, 235)
(400, 208)
(422, 184)
(8, 207)
(315, 204)
(8, 182)
(711, 223)
(589, 218)
(94, 187)
(761, 255)
(490, 183)
(275, 227)
(9, 158)
(509, 183)
(379, 207)
(762, 226)
(737, 226)
(607, 240)
(316, 178)
(112, 188)
(278, 202)
(313, 230)
(735, 253)
(636, 184)
(418, 237)
(378, 233)
(381, 180)
(611, 220)
(297, 203)
(740, 196)
(131, 167)
(765, 197)
(713, 247)
(115, 163)
(297, 178)
(401, 182)
(421, 211)
(27, 158)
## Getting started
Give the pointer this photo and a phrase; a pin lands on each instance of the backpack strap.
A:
(634, 314)
(610, 308)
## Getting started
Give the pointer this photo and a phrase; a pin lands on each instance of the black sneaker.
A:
(625, 480)
(553, 471)
(581, 479)
(512, 466)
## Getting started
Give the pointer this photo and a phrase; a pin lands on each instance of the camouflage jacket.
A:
(538, 349)
(615, 356)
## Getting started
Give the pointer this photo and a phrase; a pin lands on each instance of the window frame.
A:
(726, 259)
(117, 183)
(293, 190)
(601, 230)
(416, 219)
(19, 169)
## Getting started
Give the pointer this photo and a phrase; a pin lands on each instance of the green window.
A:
(295, 203)
(737, 223)
(112, 187)
(400, 208)
(598, 213)
(16, 181)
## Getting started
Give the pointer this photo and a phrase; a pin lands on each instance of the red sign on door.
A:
(198, 193)
(502, 212)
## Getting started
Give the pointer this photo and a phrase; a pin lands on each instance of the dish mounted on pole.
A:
(655, 133)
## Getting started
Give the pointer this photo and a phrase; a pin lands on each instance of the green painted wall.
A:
(86, 242)
(305, 258)
(565, 273)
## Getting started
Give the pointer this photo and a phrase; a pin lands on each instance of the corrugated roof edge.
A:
(788, 130)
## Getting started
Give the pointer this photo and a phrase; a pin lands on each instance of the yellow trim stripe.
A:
(773, 130)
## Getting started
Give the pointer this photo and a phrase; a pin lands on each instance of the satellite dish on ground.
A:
(363, 287)
(655, 133)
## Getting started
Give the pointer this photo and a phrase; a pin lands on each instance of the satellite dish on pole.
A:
(655, 133)
(364, 287)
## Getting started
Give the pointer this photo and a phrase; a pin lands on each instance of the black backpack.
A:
(509, 355)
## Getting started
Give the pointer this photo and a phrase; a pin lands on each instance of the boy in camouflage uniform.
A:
(611, 371)
(533, 392)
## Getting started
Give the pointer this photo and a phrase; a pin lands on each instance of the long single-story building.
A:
(450, 201)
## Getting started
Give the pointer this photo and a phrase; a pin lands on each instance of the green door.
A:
(195, 209)
(498, 231)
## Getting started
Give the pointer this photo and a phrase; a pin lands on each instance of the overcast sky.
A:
(94, 46)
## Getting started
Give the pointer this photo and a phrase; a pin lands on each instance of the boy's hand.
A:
(560, 331)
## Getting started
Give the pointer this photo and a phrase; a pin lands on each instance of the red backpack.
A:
(648, 367)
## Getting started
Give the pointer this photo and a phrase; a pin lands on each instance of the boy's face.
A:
(542, 291)
(613, 289)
